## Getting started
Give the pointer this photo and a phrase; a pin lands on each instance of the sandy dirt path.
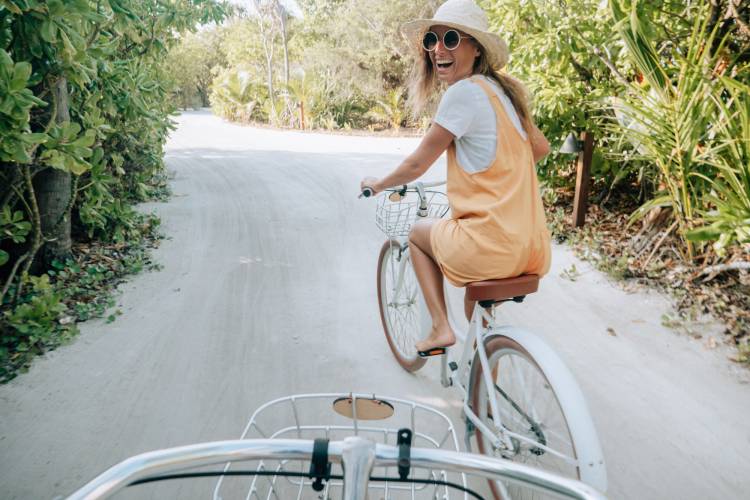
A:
(268, 289)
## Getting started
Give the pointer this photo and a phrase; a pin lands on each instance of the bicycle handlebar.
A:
(415, 186)
(357, 455)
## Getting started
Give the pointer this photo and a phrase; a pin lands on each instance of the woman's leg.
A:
(431, 282)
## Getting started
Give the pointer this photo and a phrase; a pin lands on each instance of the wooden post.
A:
(583, 176)
(302, 115)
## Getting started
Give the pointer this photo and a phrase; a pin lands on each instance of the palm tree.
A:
(390, 110)
(670, 117)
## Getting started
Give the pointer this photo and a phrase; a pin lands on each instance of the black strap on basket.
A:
(404, 452)
(320, 467)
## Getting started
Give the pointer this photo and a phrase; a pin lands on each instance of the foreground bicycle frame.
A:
(590, 461)
(357, 455)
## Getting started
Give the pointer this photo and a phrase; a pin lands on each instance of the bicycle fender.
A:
(571, 399)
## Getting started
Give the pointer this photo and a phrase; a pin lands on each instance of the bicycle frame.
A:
(473, 347)
(482, 326)
(460, 378)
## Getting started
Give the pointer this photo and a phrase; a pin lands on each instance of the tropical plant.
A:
(390, 110)
(728, 217)
(568, 56)
(190, 64)
(84, 114)
(237, 95)
(668, 118)
(13, 227)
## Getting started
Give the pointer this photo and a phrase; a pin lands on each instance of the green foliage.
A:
(191, 65)
(84, 89)
(668, 118)
(650, 68)
(237, 96)
(74, 290)
(390, 111)
(32, 326)
(15, 106)
(35, 318)
(339, 72)
(65, 149)
(727, 221)
(565, 53)
(12, 227)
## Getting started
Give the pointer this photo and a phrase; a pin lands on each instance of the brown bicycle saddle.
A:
(504, 289)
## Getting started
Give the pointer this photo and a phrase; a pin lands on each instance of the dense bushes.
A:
(321, 72)
(84, 113)
(660, 84)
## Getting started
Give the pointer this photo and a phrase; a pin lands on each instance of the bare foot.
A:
(437, 338)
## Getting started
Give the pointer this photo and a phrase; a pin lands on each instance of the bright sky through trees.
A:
(291, 6)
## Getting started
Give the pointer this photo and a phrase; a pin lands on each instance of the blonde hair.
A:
(424, 85)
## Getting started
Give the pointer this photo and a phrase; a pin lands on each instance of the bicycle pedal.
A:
(453, 366)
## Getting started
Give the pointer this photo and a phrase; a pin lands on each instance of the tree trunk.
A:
(283, 17)
(53, 191)
(267, 35)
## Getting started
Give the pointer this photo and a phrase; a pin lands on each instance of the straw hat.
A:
(467, 16)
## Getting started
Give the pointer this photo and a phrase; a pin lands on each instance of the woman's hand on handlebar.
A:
(370, 186)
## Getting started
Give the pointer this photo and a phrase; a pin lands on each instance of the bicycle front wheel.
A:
(398, 298)
(529, 408)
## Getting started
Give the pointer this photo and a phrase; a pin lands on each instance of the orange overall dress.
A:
(497, 227)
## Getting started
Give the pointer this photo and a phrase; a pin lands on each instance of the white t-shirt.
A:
(465, 110)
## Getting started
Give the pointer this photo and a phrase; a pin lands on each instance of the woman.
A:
(497, 229)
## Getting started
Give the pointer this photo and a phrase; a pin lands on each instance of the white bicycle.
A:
(295, 447)
(519, 398)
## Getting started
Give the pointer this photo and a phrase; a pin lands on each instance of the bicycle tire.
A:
(500, 345)
(398, 335)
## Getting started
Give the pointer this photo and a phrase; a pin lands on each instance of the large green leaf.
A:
(48, 31)
(21, 74)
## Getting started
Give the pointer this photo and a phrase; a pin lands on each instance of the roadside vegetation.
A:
(662, 85)
(84, 112)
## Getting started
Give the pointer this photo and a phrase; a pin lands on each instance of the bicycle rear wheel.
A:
(398, 299)
(529, 407)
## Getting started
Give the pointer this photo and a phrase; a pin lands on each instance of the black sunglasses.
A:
(451, 40)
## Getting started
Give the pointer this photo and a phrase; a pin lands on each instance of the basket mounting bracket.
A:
(320, 467)
(404, 452)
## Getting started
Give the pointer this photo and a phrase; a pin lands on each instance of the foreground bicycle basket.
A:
(374, 418)
(361, 451)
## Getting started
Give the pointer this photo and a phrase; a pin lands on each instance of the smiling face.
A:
(453, 65)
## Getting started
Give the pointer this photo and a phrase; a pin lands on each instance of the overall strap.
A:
(500, 114)
(486, 87)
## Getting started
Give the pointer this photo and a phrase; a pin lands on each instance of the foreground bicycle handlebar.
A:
(357, 455)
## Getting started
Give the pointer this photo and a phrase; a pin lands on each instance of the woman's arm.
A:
(436, 140)
(539, 144)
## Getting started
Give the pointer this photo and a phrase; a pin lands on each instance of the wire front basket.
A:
(310, 416)
(395, 218)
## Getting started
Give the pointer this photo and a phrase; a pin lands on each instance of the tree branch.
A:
(609, 64)
(12, 275)
(713, 271)
(37, 222)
